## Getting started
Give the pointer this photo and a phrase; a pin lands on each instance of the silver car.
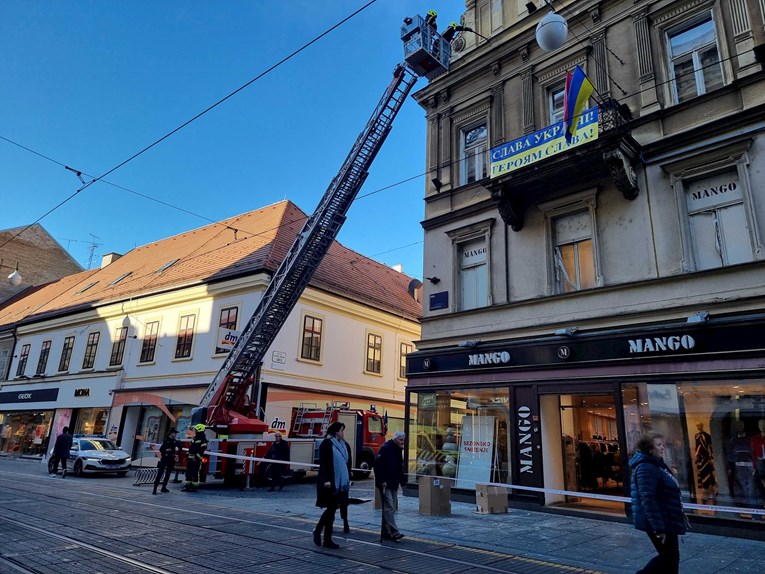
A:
(96, 454)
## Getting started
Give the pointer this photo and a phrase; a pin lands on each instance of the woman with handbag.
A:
(656, 505)
(333, 482)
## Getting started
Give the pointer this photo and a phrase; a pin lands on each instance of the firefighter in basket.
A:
(194, 460)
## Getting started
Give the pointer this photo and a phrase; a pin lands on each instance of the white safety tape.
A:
(624, 499)
(686, 505)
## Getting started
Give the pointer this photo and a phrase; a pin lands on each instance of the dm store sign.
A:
(542, 144)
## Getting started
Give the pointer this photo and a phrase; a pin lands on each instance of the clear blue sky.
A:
(90, 83)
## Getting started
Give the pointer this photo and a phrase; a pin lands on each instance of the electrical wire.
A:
(196, 117)
(261, 232)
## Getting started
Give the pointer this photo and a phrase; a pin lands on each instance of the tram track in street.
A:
(155, 534)
(57, 546)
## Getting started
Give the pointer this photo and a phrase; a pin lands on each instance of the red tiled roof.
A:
(249, 243)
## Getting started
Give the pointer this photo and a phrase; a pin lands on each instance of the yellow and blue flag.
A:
(578, 91)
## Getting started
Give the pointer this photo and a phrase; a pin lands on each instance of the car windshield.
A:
(96, 444)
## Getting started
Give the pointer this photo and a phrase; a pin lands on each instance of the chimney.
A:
(398, 267)
(109, 258)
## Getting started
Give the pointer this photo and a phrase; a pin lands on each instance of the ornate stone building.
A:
(581, 292)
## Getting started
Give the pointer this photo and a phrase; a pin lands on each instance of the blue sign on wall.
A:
(439, 300)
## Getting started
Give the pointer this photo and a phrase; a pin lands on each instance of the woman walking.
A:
(333, 481)
(656, 505)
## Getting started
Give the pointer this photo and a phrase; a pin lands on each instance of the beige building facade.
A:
(579, 293)
(127, 350)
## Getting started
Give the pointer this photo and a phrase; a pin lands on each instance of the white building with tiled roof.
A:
(130, 348)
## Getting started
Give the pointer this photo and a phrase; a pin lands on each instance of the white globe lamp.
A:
(552, 31)
(15, 278)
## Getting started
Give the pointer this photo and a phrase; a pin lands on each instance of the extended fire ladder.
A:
(229, 387)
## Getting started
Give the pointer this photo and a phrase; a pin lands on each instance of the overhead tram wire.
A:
(199, 115)
(669, 80)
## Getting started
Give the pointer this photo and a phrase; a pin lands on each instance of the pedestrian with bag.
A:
(194, 459)
(333, 482)
(657, 508)
(61, 452)
(280, 452)
(168, 456)
(389, 475)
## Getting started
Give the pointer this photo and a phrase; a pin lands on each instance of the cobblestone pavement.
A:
(230, 523)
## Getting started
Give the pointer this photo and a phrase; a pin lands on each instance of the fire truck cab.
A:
(364, 430)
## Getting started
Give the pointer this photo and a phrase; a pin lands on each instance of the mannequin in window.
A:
(758, 452)
(706, 479)
(740, 465)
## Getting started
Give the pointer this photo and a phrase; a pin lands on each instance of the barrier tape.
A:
(607, 497)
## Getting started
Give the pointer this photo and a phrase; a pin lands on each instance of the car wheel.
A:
(77, 468)
(122, 473)
(365, 466)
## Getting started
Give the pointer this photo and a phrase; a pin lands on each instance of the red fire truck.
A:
(364, 430)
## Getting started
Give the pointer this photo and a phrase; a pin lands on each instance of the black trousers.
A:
(164, 470)
(668, 560)
(55, 461)
(327, 520)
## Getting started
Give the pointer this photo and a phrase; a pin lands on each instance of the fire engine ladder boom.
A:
(305, 255)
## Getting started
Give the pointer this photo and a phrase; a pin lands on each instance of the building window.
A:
(694, 60)
(311, 344)
(404, 350)
(149, 345)
(118, 346)
(90, 350)
(23, 360)
(374, 353)
(185, 337)
(473, 149)
(719, 228)
(227, 322)
(472, 264)
(66, 354)
(42, 362)
(573, 255)
(3, 363)
(556, 103)
(474, 275)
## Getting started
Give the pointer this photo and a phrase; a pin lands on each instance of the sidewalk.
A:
(599, 545)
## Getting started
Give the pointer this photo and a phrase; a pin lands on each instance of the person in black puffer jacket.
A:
(656, 505)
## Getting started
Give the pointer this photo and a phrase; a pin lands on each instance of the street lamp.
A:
(15, 277)
(552, 31)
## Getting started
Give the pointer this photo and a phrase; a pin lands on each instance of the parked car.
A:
(95, 454)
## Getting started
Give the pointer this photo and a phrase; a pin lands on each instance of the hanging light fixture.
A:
(14, 278)
(552, 31)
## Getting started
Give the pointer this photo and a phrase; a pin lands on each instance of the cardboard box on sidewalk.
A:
(490, 499)
(435, 495)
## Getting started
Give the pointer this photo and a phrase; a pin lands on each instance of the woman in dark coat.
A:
(333, 481)
(656, 505)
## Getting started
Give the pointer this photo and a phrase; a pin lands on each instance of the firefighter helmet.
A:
(200, 427)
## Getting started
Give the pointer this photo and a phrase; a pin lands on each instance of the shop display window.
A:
(25, 433)
(715, 437)
(91, 421)
(460, 434)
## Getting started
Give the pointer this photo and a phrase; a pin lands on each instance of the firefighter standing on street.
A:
(168, 456)
(194, 460)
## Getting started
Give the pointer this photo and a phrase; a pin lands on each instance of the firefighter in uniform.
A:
(168, 453)
(194, 460)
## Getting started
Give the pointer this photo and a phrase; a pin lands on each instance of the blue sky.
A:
(90, 83)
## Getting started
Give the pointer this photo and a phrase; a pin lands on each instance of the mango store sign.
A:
(542, 144)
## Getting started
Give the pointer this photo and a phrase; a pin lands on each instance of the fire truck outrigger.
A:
(226, 408)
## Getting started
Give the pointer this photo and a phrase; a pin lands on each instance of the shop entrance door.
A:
(592, 461)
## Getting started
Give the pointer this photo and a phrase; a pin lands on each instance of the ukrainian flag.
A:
(578, 91)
